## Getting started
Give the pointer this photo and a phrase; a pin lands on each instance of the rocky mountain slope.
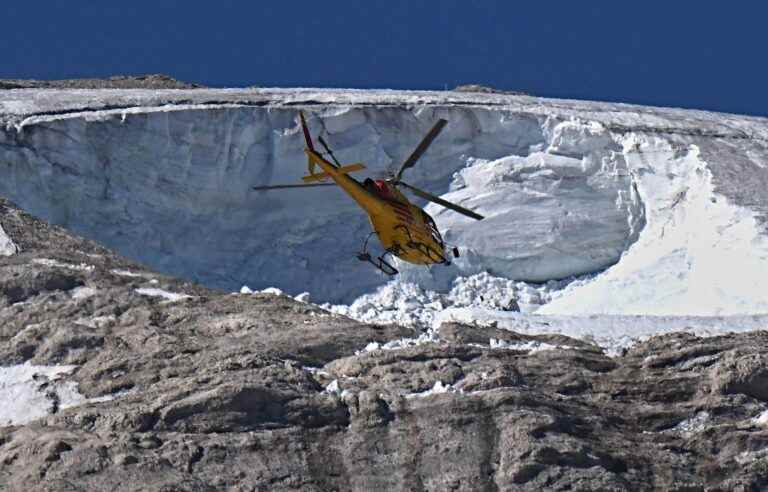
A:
(152, 81)
(186, 388)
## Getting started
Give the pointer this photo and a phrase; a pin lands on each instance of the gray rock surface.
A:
(487, 90)
(152, 81)
(220, 391)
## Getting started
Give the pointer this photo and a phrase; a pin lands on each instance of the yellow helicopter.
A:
(405, 230)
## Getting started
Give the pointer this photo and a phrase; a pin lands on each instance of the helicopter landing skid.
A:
(379, 263)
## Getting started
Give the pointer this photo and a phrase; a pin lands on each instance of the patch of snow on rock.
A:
(333, 387)
(269, 290)
(430, 336)
(693, 425)
(83, 292)
(272, 290)
(762, 419)
(29, 392)
(303, 297)
(169, 296)
(128, 273)
(532, 346)
(437, 389)
(59, 264)
(7, 247)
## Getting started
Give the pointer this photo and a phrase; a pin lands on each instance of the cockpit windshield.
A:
(430, 223)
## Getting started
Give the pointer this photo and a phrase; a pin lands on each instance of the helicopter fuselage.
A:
(404, 229)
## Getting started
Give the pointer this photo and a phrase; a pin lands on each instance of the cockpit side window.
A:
(430, 223)
(369, 185)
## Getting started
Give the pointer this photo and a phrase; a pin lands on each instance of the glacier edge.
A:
(553, 177)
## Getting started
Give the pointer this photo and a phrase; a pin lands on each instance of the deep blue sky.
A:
(709, 55)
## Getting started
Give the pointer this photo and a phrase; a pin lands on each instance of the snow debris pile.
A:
(409, 303)
(698, 254)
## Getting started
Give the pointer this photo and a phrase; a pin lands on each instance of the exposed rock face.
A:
(153, 81)
(261, 392)
(486, 90)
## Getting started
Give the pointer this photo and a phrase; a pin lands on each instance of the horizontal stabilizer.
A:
(343, 169)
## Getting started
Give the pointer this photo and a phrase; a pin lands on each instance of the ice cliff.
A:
(665, 207)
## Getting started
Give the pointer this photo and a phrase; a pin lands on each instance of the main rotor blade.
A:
(280, 187)
(436, 199)
(423, 146)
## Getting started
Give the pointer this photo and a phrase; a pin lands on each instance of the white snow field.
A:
(607, 220)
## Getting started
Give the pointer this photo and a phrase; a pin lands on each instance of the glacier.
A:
(592, 208)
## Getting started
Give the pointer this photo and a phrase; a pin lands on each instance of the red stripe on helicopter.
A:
(405, 218)
(401, 209)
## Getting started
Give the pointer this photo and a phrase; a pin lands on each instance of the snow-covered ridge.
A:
(45, 104)
(569, 188)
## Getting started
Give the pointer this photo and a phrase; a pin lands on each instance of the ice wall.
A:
(166, 177)
(173, 189)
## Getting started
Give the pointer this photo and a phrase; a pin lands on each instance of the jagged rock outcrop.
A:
(487, 90)
(206, 390)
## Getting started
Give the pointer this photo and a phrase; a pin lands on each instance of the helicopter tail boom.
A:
(307, 136)
(322, 176)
